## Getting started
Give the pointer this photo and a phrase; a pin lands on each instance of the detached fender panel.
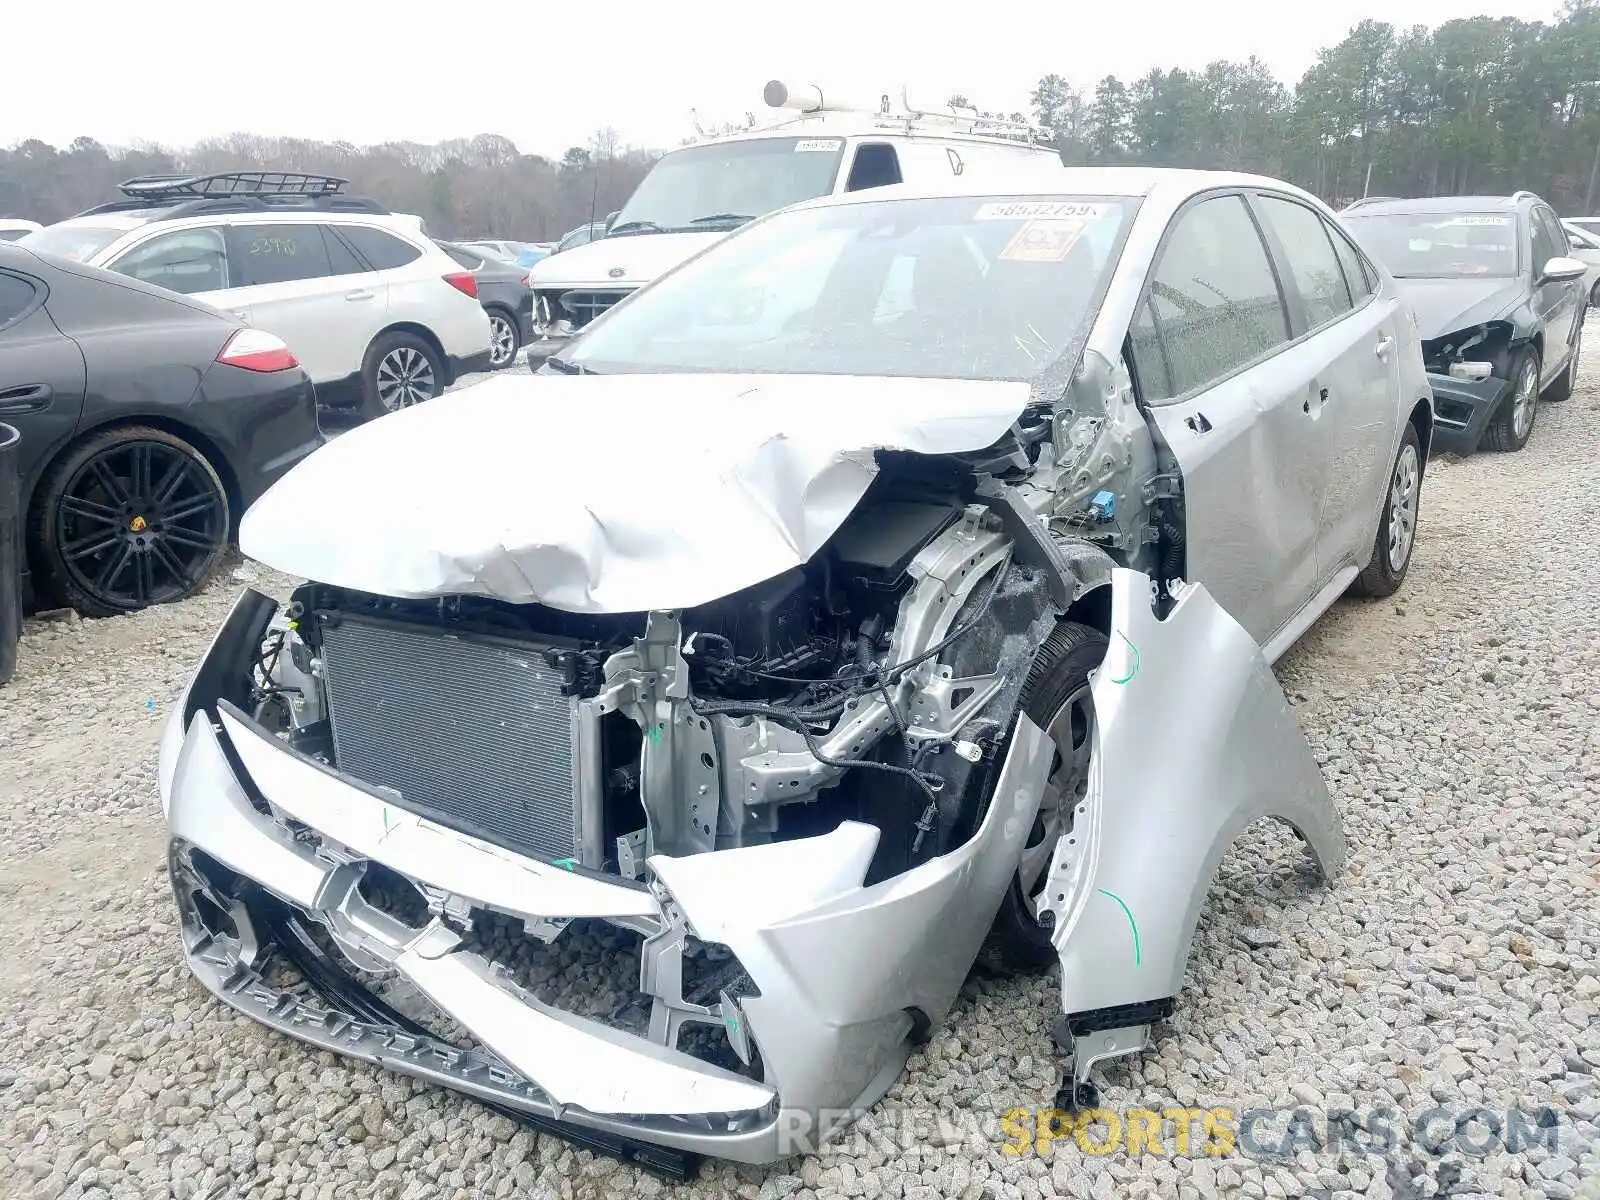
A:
(1194, 741)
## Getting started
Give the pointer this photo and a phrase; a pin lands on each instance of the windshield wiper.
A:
(635, 227)
(720, 218)
(568, 367)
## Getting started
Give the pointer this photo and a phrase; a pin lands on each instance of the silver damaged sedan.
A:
(892, 585)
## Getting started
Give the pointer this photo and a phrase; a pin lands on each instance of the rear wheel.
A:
(1056, 697)
(504, 341)
(129, 518)
(400, 370)
(1397, 527)
(1512, 425)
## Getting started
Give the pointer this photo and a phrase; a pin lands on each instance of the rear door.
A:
(1207, 349)
(294, 280)
(1347, 342)
(42, 374)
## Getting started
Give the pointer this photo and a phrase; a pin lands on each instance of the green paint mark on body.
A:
(566, 864)
(1133, 663)
(1138, 956)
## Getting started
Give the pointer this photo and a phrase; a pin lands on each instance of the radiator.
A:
(471, 732)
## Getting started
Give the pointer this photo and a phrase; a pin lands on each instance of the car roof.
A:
(1172, 185)
(1423, 205)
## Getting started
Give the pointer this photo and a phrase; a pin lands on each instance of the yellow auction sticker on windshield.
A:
(1043, 241)
(1027, 210)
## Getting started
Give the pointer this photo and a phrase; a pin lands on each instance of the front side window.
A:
(1549, 239)
(80, 243)
(1357, 272)
(954, 288)
(1440, 245)
(1312, 259)
(722, 185)
(185, 260)
(280, 254)
(1213, 298)
(875, 165)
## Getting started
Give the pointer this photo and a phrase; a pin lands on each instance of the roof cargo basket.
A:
(190, 195)
(157, 188)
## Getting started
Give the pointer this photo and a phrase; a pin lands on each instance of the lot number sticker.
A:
(817, 145)
(1027, 210)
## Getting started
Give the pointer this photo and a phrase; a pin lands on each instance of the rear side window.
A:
(469, 261)
(280, 254)
(185, 260)
(341, 259)
(1356, 272)
(1213, 300)
(1308, 248)
(383, 251)
(16, 298)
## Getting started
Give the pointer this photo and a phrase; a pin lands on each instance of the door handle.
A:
(359, 294)
(1198, 423)
(34, 397)
(1322, 398)
(1385, 344)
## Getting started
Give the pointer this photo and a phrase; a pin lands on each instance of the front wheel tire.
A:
(1057, 698)
(1397, 527)
(1512, 426)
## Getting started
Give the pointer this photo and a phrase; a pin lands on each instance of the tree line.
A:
(1482, 104)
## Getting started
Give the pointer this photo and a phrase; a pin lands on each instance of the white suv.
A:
(373, 309)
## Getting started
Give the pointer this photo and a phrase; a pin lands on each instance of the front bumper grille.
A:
(471, 732)
(577, 307)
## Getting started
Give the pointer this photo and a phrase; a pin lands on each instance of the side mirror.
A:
(611, 219)
(1562, 268)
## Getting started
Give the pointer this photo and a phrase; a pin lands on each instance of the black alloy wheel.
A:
(130, 518)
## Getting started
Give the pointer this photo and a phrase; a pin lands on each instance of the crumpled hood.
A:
(1446, 305)
(640, 256)
(612, 493)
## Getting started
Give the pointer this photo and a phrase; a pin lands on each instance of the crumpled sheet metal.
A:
(597, 494)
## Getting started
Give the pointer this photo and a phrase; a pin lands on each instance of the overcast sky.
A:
(546, 76)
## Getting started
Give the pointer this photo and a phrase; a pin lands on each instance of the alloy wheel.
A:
(1403, 507)
(502, 341)
(138, 523)
(1072, 731)
(405, 377)
(1526, 398)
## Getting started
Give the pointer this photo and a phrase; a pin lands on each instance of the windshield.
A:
(1440, 245)
(955, 288)
(724, 184)
(77, 242)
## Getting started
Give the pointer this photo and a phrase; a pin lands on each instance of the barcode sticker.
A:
(817, 145)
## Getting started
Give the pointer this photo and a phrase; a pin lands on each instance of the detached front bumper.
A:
(844, 975)
(1463, 408)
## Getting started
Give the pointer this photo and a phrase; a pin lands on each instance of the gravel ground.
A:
(1453, 965)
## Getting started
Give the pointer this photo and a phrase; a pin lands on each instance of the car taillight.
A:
(257, 350)
(464, 281)
(527, 281)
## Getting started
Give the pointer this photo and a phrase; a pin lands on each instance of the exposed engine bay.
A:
(874, 683)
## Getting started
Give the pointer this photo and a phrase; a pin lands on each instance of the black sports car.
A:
(505, 295)
(149, 423)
